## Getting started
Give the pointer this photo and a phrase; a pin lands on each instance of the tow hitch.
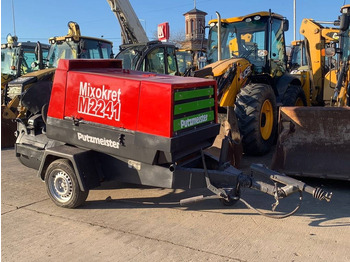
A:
(282, 187)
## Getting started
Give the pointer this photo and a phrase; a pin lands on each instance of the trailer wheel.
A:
(294, 96)
(229, 202)
(232, 200)
(62, 185)
(256, 111)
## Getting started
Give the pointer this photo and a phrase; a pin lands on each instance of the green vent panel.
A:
(193, 108)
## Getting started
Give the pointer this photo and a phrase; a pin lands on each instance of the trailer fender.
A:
(82, 161)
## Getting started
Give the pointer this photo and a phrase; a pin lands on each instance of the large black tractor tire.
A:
(294, 96)
(62, 185)
(256, 111)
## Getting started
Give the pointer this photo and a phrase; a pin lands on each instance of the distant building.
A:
(195, 23)
(195, 32)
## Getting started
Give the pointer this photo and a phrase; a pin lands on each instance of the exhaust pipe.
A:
(219, 35)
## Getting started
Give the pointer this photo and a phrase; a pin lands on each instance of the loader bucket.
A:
(313, 142)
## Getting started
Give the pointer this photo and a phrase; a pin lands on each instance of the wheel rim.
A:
(266, 120)
(299, 102)
(60, 186)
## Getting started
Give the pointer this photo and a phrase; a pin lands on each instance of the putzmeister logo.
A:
(102, 141)
(194, 121)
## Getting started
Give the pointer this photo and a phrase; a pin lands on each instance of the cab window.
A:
(277, 52)
(154, 61)
(171, 61)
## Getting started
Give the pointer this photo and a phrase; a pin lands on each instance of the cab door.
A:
(161, 60)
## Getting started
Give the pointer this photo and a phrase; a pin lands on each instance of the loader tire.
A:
(294, 96)
(256, 111)
(62, 185)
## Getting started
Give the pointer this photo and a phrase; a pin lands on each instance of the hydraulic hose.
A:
(275, 216)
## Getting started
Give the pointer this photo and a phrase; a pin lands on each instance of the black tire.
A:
(62, 185)
(231, 200)
(294, 96)
(256, 124)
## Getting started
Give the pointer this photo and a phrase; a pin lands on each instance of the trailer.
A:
(106, 123)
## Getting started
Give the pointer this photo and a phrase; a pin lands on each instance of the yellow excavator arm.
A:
(316, 38)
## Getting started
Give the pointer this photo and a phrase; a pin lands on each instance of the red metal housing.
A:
(100, 91)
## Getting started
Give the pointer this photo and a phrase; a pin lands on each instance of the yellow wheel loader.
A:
(71, 46)
(309, 61)
(315, 141)
(248, 59)
(17, 58)
(342, 88)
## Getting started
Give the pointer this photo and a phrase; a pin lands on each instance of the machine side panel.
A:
(155, 109)
(56, 106)
(102, 99)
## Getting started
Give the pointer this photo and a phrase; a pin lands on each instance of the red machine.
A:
(139, 114)
(103, 123)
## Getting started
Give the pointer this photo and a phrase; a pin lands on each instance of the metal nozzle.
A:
(321, 194)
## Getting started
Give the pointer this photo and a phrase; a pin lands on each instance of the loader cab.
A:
(345, 44)
(184, 60)
(69, 47)
(297, 58)
(345, 33)
(154, 56)
(341, 91)
(19, 58)
(258, 37)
